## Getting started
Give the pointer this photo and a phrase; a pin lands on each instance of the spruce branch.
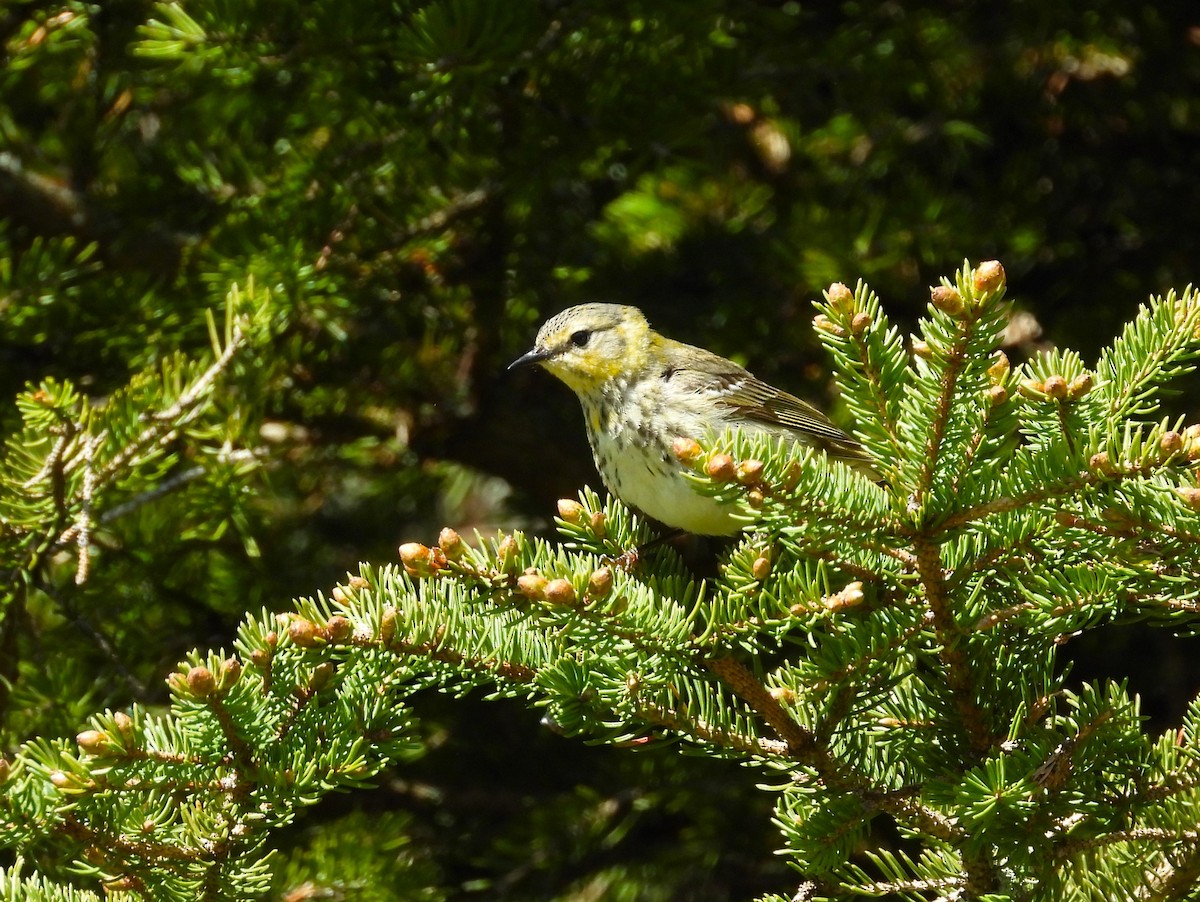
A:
(162, 426)
(1175, 879)
(800, 743)
(871, 364)
(1157, 346)
(83, 525)
(951, 638)
(708, 734)
(962, 316)
(804, 747)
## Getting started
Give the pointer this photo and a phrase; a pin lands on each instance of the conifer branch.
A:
(863, 574)
(756, 746)
(127, 851)
(801, 744)
(174, 483)
(243, 754)
(969, 515)
(1177, 783)
(873, 377)
(955, 362)
(1140, 357)
(950, 638)
(893, 887)
(907, 810)
(83, 525)
(804, 747)
(1175, 880)
(849, 711)
(165, 424)
(1070, 848)
(436, 651)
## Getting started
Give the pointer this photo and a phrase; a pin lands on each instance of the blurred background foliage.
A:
(418, 185)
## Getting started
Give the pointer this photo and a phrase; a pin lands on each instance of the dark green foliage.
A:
(416, 185)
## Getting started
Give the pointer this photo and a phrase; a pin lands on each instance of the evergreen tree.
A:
(412, 187)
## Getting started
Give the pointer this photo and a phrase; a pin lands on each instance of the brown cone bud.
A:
(783, 695)
(414, 553)
(1055, 387)
(597, 522)
(231, 672)
(1000, 368)
(532, 585)
(1032, 388)
(507, 551)
(761, 568)
(1099, 463)
(997, 395)
(946, 299)
(416, 559)
(321, 676)
(560, 592)
(1191, 441)
(847, 598)
(387, 626)
(749, 472)
(824, 324)
(303, 633)
(600, 582)
(1080, 386)
(686, 450)
(860, 323)
(989, 277)
(720, 468)
(1171, 443)
(840, 297)
(124, 724)
(201, 682)
(1189, 495)
(92, 741)
(451, 544)
(338, 629)
(570, 510)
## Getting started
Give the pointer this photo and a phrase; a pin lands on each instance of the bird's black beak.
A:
(537, 355)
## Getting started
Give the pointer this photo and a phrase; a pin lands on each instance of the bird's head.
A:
(590, 345)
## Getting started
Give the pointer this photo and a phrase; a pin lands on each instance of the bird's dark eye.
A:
(580, 338)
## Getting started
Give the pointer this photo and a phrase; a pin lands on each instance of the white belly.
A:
(660, 490)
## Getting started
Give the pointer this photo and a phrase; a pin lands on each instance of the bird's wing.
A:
(751, 398)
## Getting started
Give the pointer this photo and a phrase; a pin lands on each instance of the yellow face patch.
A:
(612, 355)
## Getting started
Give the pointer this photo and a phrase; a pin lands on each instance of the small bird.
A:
(641, 390)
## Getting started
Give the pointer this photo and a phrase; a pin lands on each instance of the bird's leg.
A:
(629, 560)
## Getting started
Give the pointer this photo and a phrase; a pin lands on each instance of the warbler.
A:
(641, 390)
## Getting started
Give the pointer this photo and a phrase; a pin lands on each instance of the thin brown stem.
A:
(803, 746)
(951, 637)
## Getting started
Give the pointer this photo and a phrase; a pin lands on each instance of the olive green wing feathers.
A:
(750, 398)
